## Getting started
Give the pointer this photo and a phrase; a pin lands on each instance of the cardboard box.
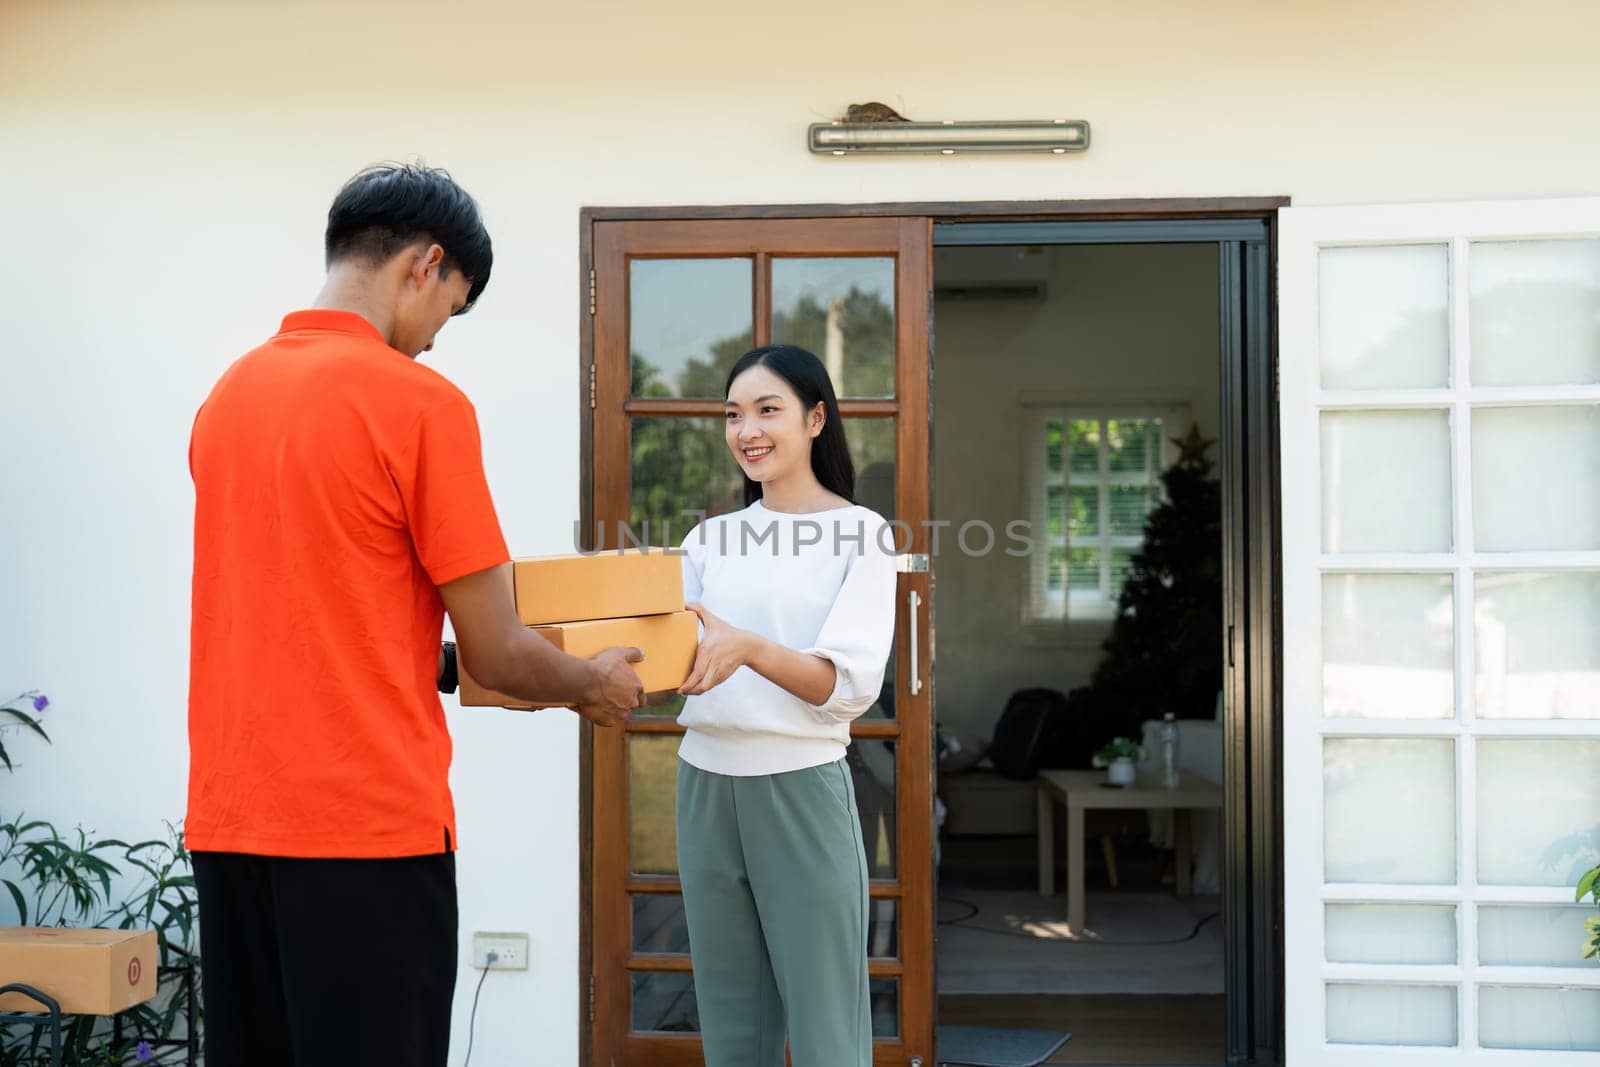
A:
(557, 589)
(668, 641)
(91, 972)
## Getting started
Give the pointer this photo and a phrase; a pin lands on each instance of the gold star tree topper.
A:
(1192, 447)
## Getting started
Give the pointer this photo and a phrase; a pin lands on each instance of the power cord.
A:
(974, 910)
(472, 1024)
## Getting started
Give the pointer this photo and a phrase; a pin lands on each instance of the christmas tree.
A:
(1165, 649)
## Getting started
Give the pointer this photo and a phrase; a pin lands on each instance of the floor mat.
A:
(981, 1046)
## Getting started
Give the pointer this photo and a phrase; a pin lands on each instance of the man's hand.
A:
(504, 655)
(616, 689)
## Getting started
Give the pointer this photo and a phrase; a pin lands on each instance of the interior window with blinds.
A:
(1094, 474)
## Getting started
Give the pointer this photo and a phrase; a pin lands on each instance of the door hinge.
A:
(911, 563)
(591, 291)
(591, 998)
(591, 386)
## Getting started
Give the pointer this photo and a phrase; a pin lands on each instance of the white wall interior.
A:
(1122, 323)
(167, 165)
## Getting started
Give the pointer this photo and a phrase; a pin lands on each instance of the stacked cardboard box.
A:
(586, 604)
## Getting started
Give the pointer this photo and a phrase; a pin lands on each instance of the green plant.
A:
(1119, 748)
(52, 879)
(1589, 886)
(1162, 652)
(15, 718)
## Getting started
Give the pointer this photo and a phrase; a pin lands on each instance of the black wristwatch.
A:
(448, 679)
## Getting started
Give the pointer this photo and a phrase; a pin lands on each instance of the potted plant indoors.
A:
(1119, 759)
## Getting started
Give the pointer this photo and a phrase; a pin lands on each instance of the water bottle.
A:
(1167, 738)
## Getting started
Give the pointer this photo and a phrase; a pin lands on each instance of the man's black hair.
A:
(390, 206)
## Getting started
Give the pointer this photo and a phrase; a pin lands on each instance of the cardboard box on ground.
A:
(586, 604)
(89, 971)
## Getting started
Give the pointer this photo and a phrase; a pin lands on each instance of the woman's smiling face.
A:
(768, 430)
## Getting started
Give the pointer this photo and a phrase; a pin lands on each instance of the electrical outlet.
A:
(511, 951)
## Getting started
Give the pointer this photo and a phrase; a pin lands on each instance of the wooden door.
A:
(673, 304)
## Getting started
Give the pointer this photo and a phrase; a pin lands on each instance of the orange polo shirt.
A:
(338, 483)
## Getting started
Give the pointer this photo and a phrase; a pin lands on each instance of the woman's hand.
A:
(723, 650)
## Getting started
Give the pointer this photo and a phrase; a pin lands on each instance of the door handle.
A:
(914, 601)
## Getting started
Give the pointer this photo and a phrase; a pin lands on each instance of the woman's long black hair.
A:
(830, 452)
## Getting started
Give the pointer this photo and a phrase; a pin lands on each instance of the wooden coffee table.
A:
(1078, 791)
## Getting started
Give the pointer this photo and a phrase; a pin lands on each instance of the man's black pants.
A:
(326, 962)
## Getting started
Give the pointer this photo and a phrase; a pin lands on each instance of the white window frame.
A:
(1085, 620)
(1302, 233)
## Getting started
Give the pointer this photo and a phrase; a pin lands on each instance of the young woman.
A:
(796, 596)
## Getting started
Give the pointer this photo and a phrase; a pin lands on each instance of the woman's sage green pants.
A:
(775, 893)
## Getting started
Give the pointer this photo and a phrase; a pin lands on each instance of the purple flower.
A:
(144, 1052)
(41, 702)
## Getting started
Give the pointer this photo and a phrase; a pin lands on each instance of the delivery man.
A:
(340, 510)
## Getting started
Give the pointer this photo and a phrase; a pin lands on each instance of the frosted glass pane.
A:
(1391, 1014)
(1389, 810)
(1538, 811)
(1538, 645)
(1535, 312)
(1534, 473)
(1550, 1019)
(1533, 937)
(1385, 316)
(1390, 933)
(1386, 481)
(1387, 647)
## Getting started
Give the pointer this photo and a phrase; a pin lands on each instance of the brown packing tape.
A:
(669, 642)
(607, 585)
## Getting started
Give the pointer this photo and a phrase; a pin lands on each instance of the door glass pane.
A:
(669, 709)
(1534, 472)
(885, 994)
(1386, 481)
(658, 923)
(842, 310)
(1553, 1019)
(1515, 936)
(664, 1001)
(883, 928)
(1389, 810)
(1385, 316)
(652, 796)
(1538, 811)
(681, 466)
(1535, 312)
(1538, 654)
(1387, 646)
(872, 452)
(1391, 1014)
(689, 320)
(872, 773)
(1390, 933)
